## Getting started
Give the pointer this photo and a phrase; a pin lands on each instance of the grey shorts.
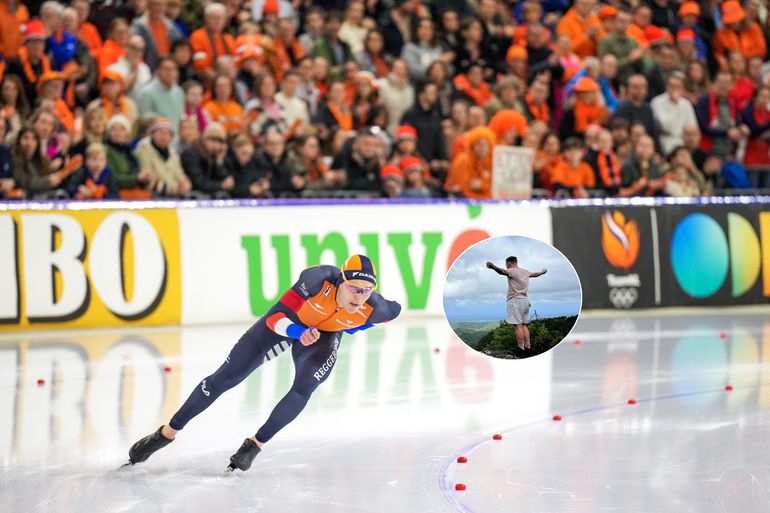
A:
(517, 310)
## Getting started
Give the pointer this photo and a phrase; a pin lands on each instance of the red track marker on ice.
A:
(729, 388)
(166, 369)
(632, 401)
(557, 418)
(578, 342)
(723, 335)
(40, 382)
(497, 437)
(460, 487)
(462, 459)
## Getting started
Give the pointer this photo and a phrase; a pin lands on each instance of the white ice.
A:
(403, 402)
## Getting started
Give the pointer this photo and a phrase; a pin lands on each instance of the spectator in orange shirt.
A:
(209, 43)
(586, 111)
(470, 174)
(582, 26)
(642, 18)
(285, 49)
(12, 16)
(87, 32)
(738, 34)
(223, 108)
(158, 32)
(472, 86)
(51, 86)
(31, 61)
(547, 159)
(572, 175)
(115, 46)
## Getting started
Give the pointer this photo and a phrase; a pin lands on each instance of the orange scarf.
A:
(539, 112)
(98, 190)
(27, 66)
(586, 115)
(609, 169)
(479, 94)
(109, 107)
(316, 169)
(64, 115)
(345, 121)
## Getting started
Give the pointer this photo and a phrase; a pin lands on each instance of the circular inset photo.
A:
(512, 297)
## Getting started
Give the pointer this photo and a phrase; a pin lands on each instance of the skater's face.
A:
(352, 294)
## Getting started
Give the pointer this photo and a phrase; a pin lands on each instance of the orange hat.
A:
(270, 7)
(732, 12)
(114, 76)
(585, 85)
(607, 11)
(656, 35)
(251, 52)
(410, 163)
(689, 7)
(504, 120)
(516, 52)
(405, 131)
(685, 35)
(391, 170)
(35, 31)
(48, 76)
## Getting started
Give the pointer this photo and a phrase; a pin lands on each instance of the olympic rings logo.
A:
(623, 297)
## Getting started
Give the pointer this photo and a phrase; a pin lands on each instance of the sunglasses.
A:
(358, 290)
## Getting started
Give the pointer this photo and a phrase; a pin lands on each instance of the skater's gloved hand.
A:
(310, 336)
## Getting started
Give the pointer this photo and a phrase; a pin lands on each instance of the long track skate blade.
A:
(229, 470)
(127, 465)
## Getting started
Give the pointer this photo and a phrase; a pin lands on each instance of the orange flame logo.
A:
(620, 240)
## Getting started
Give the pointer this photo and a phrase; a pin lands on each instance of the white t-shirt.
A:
(518, 282)
(143, 76)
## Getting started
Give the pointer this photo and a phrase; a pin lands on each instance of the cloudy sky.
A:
(474, 293)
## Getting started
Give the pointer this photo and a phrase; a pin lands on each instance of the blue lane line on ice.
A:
(445, 475)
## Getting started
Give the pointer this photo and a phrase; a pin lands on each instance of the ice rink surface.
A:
(404, 401)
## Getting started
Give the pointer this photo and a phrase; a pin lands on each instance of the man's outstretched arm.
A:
(535, 275)
(498, 270)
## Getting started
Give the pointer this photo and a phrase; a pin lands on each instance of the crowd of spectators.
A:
(395, 98)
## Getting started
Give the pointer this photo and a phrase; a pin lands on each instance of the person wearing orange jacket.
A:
(210, 42)
(738, 34)
(582, 26)
(12, 16)
(115, 46)
(572, 174)
(31, 61)
(51, 86)
(470, 174)
(87, 31)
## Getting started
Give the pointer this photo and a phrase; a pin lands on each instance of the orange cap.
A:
(115, 77)
(732, 12)
(607, 11)
(689, 8)
(516, 52)
(48, 76)
(585, 85)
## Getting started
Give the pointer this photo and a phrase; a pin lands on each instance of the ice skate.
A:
(243, 457)
(145, 447)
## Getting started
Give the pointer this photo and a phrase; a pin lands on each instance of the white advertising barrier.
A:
(236, 262)
(512, 172)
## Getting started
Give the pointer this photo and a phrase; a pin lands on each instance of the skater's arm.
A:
(535, 275)
(498, 270)
(384, 310)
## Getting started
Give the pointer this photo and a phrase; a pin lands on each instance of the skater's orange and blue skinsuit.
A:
(311, 302)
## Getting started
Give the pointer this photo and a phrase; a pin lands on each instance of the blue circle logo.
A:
(699, 255)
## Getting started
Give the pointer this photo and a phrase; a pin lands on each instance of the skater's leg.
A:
(245, 356)
(312, 366)
(527, 343)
